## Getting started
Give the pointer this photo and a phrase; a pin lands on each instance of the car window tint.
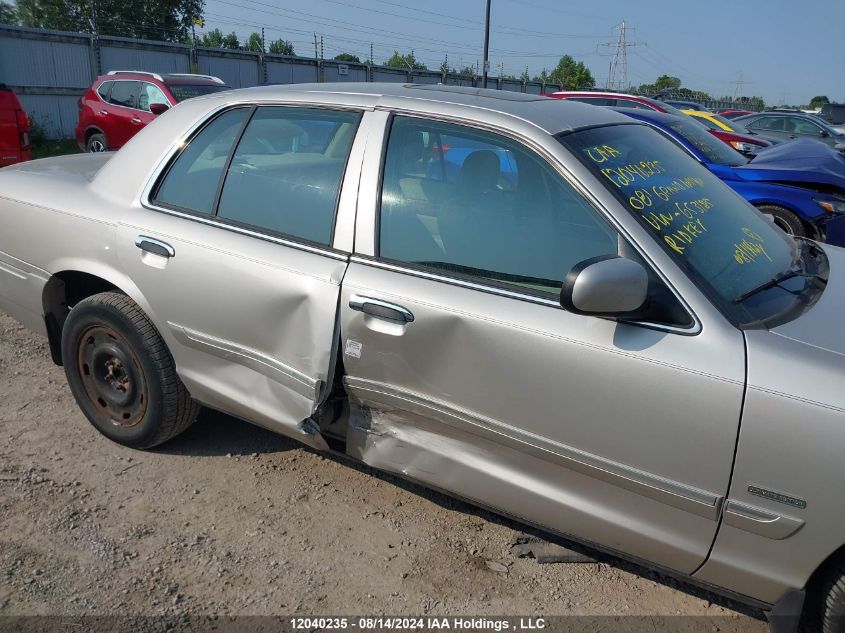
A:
(803, 126)
(104, 88)
(286, 171)
(773, 123)
(191, 181)
(150, 94)
(480, 205)
(124, 93)
(599, 101)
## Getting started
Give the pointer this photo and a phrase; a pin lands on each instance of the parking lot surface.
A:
(231, 519)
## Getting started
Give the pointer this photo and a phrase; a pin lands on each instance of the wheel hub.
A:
(112, 376)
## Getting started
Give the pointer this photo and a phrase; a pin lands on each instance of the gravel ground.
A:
(230, 519)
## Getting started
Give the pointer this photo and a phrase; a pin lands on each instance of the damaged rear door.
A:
(465, 373)
(233, 251)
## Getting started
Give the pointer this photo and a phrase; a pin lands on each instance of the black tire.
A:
(122, 374)
(785, 220)
(832, 599)
(97, 142)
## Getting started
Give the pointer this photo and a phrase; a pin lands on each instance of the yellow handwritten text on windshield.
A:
(750, 249)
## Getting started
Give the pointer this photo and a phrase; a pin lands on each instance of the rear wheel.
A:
(785, 220)
(122, 374)
(831, 602)
(97, 143)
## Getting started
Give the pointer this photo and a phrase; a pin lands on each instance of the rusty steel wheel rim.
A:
(112, 376)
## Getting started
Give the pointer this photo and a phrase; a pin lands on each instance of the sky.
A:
(783, 50)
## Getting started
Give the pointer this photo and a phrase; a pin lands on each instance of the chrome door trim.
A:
(502, 292)
(171, 252)
(266, 365)
(688, 498)
(357, 302)
(756, 520)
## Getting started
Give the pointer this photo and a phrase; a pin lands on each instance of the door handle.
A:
(135, 119)
(381, 309)
(154, 246)
(103, 112)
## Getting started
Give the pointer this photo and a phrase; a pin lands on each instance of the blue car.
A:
(800, 184)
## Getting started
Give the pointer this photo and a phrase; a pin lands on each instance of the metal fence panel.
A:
(31, 62)
(353, 72)
(426, 77)
(235, 71)
(155, 61)
(460, 80)
(533, 87)
(56, 114)
(393, 75)
(513, 85)
(291, 71)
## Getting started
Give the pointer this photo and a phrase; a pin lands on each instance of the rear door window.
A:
(287, 169)
(124, 93)
(192, 180)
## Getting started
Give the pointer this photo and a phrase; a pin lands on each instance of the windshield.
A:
(725, 245)
(181, 92)
(714, 150)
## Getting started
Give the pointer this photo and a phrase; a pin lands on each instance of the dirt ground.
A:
(231, 519)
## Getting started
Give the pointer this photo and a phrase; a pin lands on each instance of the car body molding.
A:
(379, 395)
(263, 364)
(759, 521)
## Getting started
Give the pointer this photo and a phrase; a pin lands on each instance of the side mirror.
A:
(605, 286)
(159, 108)
(823, 134)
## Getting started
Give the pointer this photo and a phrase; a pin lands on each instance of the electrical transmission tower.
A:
(617, 76)
(738, 85)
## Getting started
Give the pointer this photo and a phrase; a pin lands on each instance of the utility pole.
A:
(486, 46)
(371, 62)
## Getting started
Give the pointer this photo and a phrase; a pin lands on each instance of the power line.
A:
(619, 64)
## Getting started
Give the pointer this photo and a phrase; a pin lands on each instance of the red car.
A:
(119, 104)
(745, 143)
(731, 114)
(14, 129)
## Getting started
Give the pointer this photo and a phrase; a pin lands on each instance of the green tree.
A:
(8, 14)
(572, 75)
(231, 41)
(405, 62)
(254, 43)
(212, 39)
(525, 76)
(281, 47)
(667, 81)
(815, 102)
(467, 70)
(543, 77)
(347, 57)
(167, 20)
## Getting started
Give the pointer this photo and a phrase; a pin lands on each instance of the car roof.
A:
(551, 115)
(598, 93)
(167, 78)
(650, 115)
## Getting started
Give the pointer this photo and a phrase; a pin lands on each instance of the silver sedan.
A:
(544, 307)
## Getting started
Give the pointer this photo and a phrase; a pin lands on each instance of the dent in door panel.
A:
(518, 484)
